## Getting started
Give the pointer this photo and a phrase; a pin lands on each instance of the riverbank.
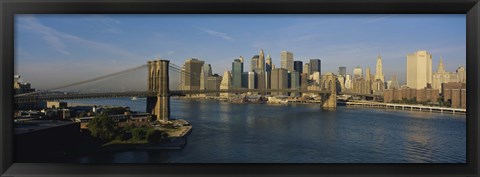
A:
(405, 107)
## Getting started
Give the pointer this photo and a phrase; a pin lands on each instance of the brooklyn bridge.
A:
(158, 91)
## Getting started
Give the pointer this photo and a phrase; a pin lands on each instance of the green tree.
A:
(103, 127)
(139, 133)
(156, 136)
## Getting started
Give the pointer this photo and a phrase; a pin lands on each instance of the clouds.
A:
(383, 17)
(122, 41)
(216, 34)
(51, 37)
(58, 40)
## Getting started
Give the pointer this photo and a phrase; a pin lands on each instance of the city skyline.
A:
(47, 46)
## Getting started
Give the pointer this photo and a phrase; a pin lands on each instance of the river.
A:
(261, 133)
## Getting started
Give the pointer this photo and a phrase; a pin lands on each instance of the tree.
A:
(103, 127)
(139, 133)
(156, 136)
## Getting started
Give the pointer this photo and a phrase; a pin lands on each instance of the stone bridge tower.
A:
(330, 84)
(158, 82)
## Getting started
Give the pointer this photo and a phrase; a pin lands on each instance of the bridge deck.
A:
(70, 96)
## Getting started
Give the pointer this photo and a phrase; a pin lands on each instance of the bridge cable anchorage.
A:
(85, 81)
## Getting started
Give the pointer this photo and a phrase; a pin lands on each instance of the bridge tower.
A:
(330, 100)
(158, 82)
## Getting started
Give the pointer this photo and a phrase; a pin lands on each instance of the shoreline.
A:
(405, 107)
(367, 104)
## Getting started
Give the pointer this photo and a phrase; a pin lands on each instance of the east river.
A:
(262, 133)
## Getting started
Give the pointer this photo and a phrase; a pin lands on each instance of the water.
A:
(258, 133)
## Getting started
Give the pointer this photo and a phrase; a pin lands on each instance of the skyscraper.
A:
(294, 82)
(342, 70)
(213, 83)
(379, 70)
(245, 80)
(348, 82)
(279, 80)
(254, 63)
(251, 80)
(261, 61)
(190, 78)
(298, 66)
(357, 72)
(268, 63)
(237, 70)
(419, 69)
(206, 72)
(306, 69)
(394, 83)
(286, 59)
(368, 75)
(268, 70)
(315, 66)
(226, 83)
(260, 78)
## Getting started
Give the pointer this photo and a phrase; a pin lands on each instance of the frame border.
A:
(11, 7)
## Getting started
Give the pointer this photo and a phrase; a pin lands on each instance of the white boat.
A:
(134, 98)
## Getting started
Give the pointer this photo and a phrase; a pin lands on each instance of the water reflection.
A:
(256, 133)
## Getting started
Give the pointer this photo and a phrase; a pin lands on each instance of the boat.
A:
(134, 98)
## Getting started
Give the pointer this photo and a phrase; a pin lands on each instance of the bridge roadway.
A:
(71, 96)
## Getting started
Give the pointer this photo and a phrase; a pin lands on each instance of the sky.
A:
(54, 50)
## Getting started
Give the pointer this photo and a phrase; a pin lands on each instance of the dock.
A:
(394, 106)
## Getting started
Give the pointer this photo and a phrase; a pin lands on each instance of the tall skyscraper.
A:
(348, 82)
(298, 66)
(394, 83)
(244, 80)
(286, 59)
(254, 63)
(306, 69)
(190, 78)
(341, 82)
(237, 70)
(279, 80)
(268, 63)
(261, 61)
(226, 83)
(251, 80)
(206, 72)
(342, 70)
(260, 81)
(315, 66)
(357, 72)
(368, 75)
(294, 82)
(213, 83)
(419, 69)
(379, 70)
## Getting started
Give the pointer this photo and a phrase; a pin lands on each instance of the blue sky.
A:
(59, 49)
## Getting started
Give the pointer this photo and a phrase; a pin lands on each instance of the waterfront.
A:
(259, 133)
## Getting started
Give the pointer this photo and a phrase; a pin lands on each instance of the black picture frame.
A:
(11, 7)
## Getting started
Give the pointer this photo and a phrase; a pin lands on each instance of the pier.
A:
(406, 107)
